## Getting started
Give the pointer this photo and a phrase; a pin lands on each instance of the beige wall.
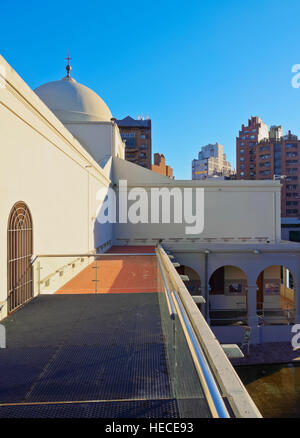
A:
(44, 166)
(100, 139)
(235, 210)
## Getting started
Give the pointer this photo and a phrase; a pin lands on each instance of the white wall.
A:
(236, 210)
(100, 139)
(44, 166)
(97, 137)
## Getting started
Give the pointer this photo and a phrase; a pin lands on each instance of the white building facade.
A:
(60, 146)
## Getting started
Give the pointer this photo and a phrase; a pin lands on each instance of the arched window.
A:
(276, 296)
(227, 296)
(19, 253)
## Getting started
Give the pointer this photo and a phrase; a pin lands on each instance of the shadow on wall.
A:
(103, 232)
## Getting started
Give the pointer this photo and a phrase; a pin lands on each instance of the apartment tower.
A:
(211, 162)
(267, 154)
(137, 136)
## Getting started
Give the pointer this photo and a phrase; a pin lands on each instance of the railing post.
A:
(252, 305)
(252, 313)
(206, 287)
(39, 276)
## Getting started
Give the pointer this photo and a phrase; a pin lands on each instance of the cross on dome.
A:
(68, 67)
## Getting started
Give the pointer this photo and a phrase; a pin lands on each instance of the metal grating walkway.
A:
(120, 409)
(102, 347)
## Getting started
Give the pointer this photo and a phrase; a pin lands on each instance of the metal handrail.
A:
(228, 319)
(214, 398)
(106, 254)
(206, 375)
(223, 373)
(167, 290)
(269, 315)
(244, 309)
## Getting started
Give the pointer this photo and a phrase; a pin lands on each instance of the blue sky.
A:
(198, 68)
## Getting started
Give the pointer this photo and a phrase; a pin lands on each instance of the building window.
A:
(129, 142)
(292, 195)
(291, 145)
(127, 135)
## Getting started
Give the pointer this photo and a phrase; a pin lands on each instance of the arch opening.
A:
(275, 296)
(228, 296)
(193, 284)
(19, 254)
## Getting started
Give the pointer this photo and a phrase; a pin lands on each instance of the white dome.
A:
(73, 102)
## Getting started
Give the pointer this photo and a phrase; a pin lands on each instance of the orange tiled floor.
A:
(132, 249)
(118, 274)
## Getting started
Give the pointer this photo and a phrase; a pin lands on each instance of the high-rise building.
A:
(249, 137)
(268, 154)
(137, 136)
(160, 166)
(211, 162)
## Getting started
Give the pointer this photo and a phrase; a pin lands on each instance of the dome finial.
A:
(68, 67)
